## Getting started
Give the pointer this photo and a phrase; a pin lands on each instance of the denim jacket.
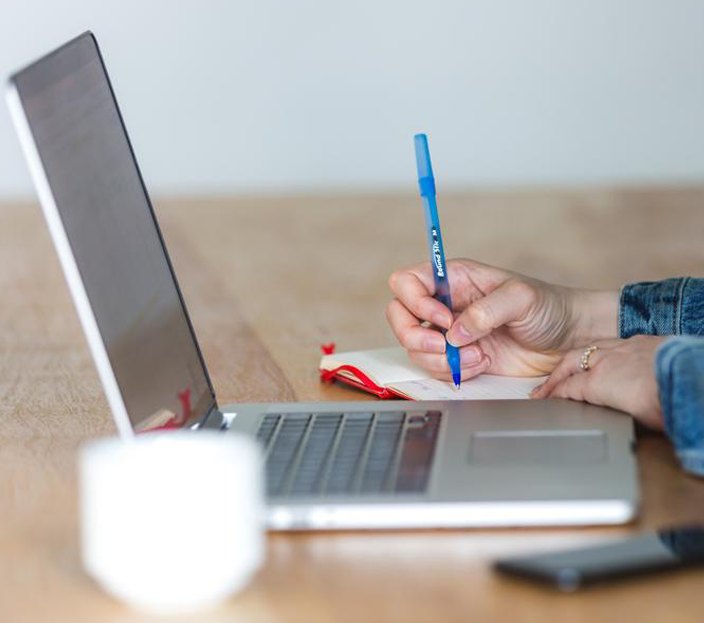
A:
(673, 307)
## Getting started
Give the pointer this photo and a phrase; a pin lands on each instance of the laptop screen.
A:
(113, 235)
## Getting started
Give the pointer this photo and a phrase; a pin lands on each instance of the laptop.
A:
(351, 465)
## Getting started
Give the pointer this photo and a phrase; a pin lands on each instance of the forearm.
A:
(679, 369)
(597, 313)
(669, 307)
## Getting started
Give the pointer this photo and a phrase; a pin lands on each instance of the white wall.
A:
(312, 95)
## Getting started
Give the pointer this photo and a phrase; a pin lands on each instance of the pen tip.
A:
(457, 379)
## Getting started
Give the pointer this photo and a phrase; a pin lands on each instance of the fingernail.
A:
(458, 335)
(440, 320)
(434, 343)
(471, 354)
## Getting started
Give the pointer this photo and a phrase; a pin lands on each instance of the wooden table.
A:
(267, 281)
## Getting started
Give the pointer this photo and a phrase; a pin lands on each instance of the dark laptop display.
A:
(98, 190)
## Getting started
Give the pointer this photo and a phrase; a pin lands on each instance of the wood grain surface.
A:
(267, 280)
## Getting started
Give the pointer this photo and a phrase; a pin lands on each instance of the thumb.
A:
(509, 302)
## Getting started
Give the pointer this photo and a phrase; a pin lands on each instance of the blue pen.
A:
(426, 183)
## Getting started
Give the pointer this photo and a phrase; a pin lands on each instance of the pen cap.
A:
(426, 181)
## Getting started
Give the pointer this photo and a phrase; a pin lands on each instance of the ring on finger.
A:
(584, 359)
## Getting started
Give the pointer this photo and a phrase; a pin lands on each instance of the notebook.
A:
(388, 373)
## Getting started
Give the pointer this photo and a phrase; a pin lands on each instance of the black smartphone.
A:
(568, 570)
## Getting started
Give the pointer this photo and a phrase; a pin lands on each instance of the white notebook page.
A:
(482, 387)
(390, 367)
(385, 366)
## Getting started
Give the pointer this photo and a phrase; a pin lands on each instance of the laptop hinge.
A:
(212, 420)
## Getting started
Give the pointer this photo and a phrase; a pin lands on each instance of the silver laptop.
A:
(329, 465)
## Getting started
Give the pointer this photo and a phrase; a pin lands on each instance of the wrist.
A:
(596, 315)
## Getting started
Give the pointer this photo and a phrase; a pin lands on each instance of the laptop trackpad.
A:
(538, 447)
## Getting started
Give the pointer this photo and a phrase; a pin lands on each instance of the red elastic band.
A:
(361, 380)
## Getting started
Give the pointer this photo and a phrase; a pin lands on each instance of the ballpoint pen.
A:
(426, 184)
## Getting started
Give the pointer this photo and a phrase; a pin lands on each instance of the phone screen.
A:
(653, 551)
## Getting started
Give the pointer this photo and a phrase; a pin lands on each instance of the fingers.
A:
(469, 356)
(409, 332)
(443, 372)
(511, 301)
(571, 364)
(416, 294)
(574, 387)
(426, 347)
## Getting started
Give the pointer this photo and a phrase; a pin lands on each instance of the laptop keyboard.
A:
(311, 454)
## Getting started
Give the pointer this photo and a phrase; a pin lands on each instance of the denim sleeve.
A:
(679, 369)
(669, 307)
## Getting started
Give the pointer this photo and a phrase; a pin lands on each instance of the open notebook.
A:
(388, 373)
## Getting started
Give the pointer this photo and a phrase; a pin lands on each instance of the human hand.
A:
(503, 322)
(621, 375)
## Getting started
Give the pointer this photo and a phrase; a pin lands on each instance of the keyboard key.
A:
(267, 428)
(349, 453)
(417, 454)
(317, 449)
(284, 451)
(382, 452)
